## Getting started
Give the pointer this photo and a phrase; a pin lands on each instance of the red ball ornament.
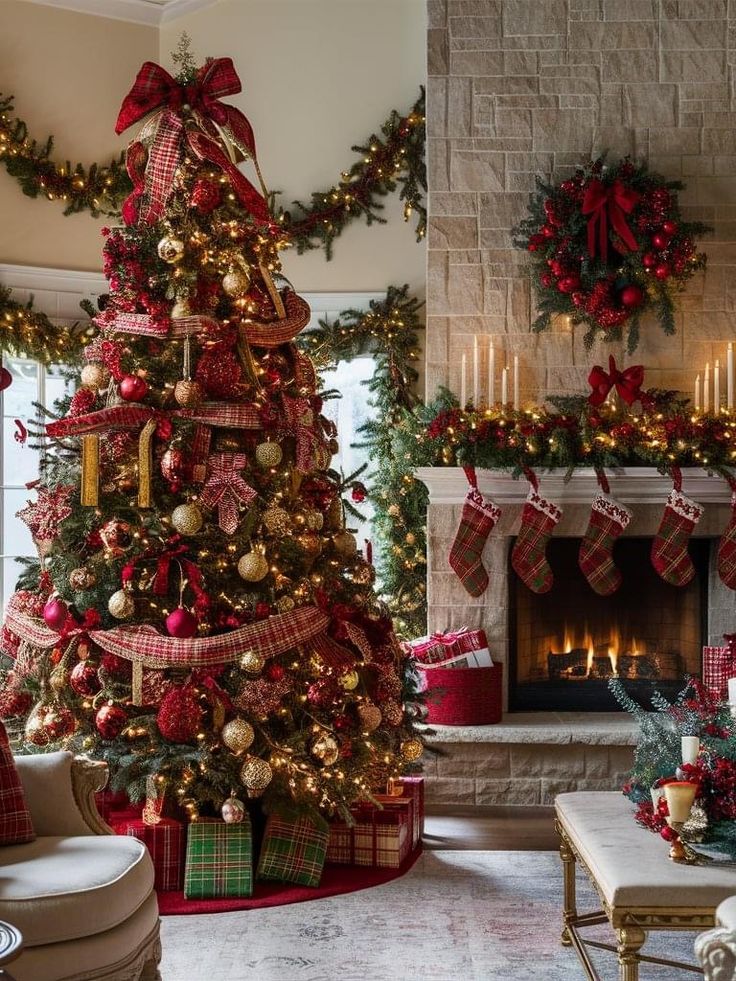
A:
(669, 227)
(181, 623)
(110, 721)
(662, 271)
(548, 231)
(342, 722)
(133, 388)
(274, 672)
(6, 379)
(660, 240)
(55, 614)
(180, 715)
(83, 679)
(358, 493)
(569, 284)
(649, 260)
(632, 296)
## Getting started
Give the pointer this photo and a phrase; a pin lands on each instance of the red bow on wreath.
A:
(609, 203)
(179, 106)
(628, 383)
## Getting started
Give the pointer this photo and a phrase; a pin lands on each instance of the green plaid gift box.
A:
(293, 851)
(219, 859)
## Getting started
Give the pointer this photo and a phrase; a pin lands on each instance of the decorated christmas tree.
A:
(200, 615)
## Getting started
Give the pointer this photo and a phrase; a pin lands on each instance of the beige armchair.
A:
(82, 897)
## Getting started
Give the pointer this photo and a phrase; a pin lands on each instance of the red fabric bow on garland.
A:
(226, 489)
(179, 106)
(628, 383)
(605, 204)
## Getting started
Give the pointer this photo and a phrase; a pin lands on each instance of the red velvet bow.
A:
(628, 383)
(609, 203)
(174, 551)
(90, 621)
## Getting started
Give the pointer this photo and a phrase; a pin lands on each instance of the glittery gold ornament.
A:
(269, 454)
(82, 578)
(187, 393)
(411, 750)
(121, 605)
(285, 604)
(325, 749)
(350, 680)
(233, 811)
(345, 543)
(181, 308)
(369, 716)
(95, 376)
(187, 519)
(171, 249)
(253, 566)
(314, 520)
(59, 679)
(238, 735)
(255, 774)
(310, 543)
(252, 662)
(276, 520)
(362, 574)
(392, 712)
(236, 281)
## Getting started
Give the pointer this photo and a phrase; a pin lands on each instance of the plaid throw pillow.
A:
(15, 818)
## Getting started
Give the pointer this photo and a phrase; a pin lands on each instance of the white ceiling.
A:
(153, 12)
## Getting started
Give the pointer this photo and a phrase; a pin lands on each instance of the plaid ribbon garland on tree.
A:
(293, 851)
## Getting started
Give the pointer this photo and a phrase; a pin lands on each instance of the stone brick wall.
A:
(524, 87)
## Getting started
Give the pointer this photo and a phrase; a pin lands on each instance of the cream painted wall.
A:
(68, 72)
(319, 76)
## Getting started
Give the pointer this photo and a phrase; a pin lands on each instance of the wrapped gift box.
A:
(461, 648)
(413, 787)
(379, 837)
(293, 851)
(219, 859)
(719, 664)
(108, 802)
(165, 842)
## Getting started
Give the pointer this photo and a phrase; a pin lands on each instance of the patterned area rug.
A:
(456, 916)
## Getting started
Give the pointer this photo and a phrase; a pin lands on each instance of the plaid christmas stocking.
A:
(727, 549)
(477, 521)
(529, 558)
(608, 519)
(669, 548)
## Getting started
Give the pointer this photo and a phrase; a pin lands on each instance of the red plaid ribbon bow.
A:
(226, 489)
(300, 416)
(605, 204)
(628, 383)
(188, 114)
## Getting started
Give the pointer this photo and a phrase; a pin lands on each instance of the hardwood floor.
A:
(490, 828)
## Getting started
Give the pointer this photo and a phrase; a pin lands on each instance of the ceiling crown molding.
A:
(152, 13)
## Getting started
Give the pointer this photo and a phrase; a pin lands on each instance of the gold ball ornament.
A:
(233, 811)
(82, 578)
(170, 249)
(238, 735)
(269, 454)
(363, 574)
(392, 712)
(187, 519)
(411, 750)
(252, 662)
(314, 520)
(187, 393)
(95, 376)
(325, 749)
(310, 543)
(256, 774)
(285, 604)
(121, 605)
(369, 716)
(253, 566)
(236, 281)
(345, 543)
(350, 680)
(276, 520)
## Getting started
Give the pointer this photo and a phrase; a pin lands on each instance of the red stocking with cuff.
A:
(478, 520)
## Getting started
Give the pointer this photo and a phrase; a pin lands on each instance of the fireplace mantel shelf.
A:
(630, 485)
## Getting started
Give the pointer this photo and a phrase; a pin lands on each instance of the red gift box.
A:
(108, 801)
(380, 837)
(461, 648)
(165, 842)
(719, 664)
(413, 787)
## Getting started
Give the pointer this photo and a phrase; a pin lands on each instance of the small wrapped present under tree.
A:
(219, 859)
(293, 851)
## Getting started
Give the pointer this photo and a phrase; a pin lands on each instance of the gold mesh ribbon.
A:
(273, 292)
(136, 695)
(90, 491)
(145, 463)
(155, 796)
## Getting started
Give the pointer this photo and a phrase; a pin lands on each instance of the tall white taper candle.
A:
(729, 376)
(717, 387)
(516, 383)
(491, 373)
(476, 373)
(706, 388)
(504, 386)
(697, 393)
(463, 380)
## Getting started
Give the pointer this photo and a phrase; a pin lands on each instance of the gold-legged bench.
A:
(639, 887)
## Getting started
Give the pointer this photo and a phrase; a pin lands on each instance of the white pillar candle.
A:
(706, 388)
(680, 796)
(516, 383)
(463, 380)
(476, 373)
(491, 373)
(729, 377)
(717, 387)
(697, 393)
(732, 691)
(504, 386)
(690, 748)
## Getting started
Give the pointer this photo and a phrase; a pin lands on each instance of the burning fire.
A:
(582, 640)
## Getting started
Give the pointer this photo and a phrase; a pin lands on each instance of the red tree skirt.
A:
(336, 879)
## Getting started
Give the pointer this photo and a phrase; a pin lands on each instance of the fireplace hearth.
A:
(566, 644)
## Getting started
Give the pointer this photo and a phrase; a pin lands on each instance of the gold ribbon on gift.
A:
(90, 490)
(145, 463)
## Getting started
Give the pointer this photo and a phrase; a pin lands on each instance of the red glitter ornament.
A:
(219, 373)
(110, 720)
(358, 493)
(206, 196)
(669, 227)
(660, 240)
(274, 672)
(180, 715)
(83, 679)
(662, 271)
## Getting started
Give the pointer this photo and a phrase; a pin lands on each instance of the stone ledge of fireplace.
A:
(560, 728)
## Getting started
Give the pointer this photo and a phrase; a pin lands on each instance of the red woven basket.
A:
(464, 696)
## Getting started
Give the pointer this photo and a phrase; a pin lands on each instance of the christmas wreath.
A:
(607, 245)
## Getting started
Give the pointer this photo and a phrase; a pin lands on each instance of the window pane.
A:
(20, 462)
(10, 570)
(56, 386)
(16, 534)
(18, 399)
